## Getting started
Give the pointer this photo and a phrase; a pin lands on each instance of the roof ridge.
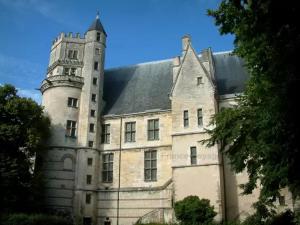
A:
(139, 64)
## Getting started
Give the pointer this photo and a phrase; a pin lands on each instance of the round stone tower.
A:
(72, 98)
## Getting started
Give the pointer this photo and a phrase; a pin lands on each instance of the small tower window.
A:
(93, 97)
(94, 81)
(97, 51)
(93, 112)
(96, 64)
(98, 36)
(90, 161)
(88, 179)
(88, 198)
(92, 127)
(199, 80)
(66, 71)
(91, 143)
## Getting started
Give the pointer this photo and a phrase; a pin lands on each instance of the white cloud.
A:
(46, 8)
(16, 70)
(28, 93)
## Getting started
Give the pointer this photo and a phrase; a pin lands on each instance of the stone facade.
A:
(125, 142)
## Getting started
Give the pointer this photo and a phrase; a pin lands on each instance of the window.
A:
(200, 117)
(150, 165)
(68, 164)
(66, 71)
(72, 54)
(94, 81)
(93, 97)
(71, 128)
(69, 71)
(105, 133)
(93, 112)
(96, 64)
(98, 36)
(92, 127)
(91, 143)
(130, 132)
(107, 169)
(281, 200)
(97, 51)
(185, 118)
(88, 198)
(199, 80)
(87, 221)
(153, 129)
(88, 179)
(73, 102)
(193, 156)
(90, 161)
(73, 72)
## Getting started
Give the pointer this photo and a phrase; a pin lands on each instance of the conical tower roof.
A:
(97, 25)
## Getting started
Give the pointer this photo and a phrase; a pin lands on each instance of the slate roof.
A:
(97, 25)
(146, 87)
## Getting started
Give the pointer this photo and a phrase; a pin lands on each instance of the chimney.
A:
(186, 40)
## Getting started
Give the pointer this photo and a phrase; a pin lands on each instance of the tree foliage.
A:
(23, 131)
(261, 134)
(192, 210)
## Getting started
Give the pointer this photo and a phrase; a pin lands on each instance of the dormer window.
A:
(199, 80)
(72, 54)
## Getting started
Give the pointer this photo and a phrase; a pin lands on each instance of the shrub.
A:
(34, 219)
(192, 210)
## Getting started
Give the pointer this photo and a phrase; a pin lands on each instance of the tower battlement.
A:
(68, 37)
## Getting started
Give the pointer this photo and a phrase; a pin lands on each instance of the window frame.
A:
(96, 65)
(105, 133)
(93, 98)
(92, 128)
(95, 80)
(89, 161)
(72, 102)
(71, 128)
(107, 167)
(93, 113)
(200, 117)
(72, 54)
(130, 133)
(88, 198)
(199, 80)
(153, 129)
(150, 165)
(89, 179)
(193, 155)
(185, 118)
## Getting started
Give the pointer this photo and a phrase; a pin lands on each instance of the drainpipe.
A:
(119, 179)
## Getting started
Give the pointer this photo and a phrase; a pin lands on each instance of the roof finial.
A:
(97, 15)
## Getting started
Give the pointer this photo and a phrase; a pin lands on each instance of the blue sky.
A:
(138, 31)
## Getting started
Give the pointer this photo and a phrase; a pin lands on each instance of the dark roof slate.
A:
(138, 88)
(97, 25)
(230, 73)
(146, 86)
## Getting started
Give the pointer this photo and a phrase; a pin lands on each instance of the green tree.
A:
(261, 134)
(192, 210)
(23, 131)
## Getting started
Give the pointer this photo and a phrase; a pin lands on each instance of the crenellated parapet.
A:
(70, 37)
(62, 81)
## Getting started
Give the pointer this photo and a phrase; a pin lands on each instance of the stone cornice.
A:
(62, 80)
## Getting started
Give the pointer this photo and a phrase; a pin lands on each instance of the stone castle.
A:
(125, 142)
